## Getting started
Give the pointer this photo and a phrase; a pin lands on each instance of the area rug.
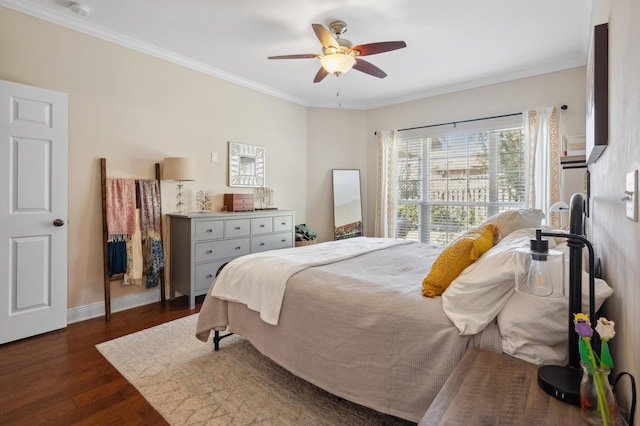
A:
(190, 384)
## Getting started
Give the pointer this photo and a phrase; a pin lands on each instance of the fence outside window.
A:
(448, 184)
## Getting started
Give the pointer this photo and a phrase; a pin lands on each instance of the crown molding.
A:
(474, 84)
(76, 24)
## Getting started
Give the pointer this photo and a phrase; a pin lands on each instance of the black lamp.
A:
(563, 382)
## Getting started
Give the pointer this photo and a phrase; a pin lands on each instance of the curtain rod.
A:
(455, 123)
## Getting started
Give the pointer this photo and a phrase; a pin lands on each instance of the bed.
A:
(359, 327)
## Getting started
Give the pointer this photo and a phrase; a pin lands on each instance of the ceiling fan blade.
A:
(325, 36)
(322, 73)
(368, 68)
(381, 47)
(301, 56)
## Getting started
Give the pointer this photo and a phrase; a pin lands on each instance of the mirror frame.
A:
(238, 152)
(349, 180)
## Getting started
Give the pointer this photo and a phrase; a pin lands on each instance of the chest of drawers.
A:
(200, 243)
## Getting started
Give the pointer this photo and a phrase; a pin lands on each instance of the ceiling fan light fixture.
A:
(337, 63)
(339, 55)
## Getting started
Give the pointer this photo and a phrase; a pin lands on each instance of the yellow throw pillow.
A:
(461, 253)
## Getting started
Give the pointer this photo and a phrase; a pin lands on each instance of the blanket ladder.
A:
(105, 247)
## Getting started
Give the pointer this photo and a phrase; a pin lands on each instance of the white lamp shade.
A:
(559, 206)
(178, 168)
(337, 63)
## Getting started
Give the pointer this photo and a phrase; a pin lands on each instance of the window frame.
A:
(424, 205)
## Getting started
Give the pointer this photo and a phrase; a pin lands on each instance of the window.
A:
(451, 183)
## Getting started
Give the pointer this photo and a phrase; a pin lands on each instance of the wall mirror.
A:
(246, 165)
(347, 204)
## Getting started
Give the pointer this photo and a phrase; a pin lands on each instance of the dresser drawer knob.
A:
(262, 225)
(283, 240)
(209, 251)
(238, 248)
(209, 230)
(283, 223)
(261, 244)
(209, 276)
(237, 228)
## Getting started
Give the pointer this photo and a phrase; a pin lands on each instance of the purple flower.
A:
(589, 358)
(583, 326)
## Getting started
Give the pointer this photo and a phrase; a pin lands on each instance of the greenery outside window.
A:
(450, 183)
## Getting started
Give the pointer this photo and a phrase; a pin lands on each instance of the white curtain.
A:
(386, 195)
(542, 159)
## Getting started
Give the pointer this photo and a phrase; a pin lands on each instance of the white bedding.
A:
(533, 328)
(360, 329)
(259, 280)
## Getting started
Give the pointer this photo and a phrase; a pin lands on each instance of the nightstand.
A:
(488, 388)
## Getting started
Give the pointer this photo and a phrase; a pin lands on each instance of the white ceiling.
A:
(451, 45)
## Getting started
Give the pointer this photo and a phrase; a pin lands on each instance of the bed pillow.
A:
(558, 240)
(512, 220)
(535, 328)
(476, 296)
(458, 255)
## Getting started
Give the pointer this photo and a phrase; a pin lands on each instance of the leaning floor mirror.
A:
(347, 204)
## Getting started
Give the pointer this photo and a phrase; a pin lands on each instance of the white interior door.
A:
(33, 210)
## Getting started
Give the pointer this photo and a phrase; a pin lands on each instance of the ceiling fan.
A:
(339, 55)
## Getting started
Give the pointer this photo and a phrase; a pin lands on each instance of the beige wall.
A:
(337, 140)
(616, 238)
(135, 110)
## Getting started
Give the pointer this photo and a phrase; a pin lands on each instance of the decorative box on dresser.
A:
(200, 243)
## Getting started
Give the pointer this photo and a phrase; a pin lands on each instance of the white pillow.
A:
(558, 240)
(512, 220)
(476, 296)
(535, 329)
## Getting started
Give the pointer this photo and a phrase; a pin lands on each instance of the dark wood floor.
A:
(60, 378)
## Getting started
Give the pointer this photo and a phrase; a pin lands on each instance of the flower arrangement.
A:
(596, 365)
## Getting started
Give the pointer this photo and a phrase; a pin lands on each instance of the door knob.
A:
(58, 222)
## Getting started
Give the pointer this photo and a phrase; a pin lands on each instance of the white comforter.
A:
(246, 281)
(360, 329)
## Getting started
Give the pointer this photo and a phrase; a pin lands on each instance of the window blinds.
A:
(447, 184)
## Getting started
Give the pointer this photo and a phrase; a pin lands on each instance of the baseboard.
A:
(95, 310)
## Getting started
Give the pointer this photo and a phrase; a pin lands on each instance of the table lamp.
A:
(179, 169)
(559, 207)
(561, 382)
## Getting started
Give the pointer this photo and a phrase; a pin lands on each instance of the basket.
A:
(305, 243)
